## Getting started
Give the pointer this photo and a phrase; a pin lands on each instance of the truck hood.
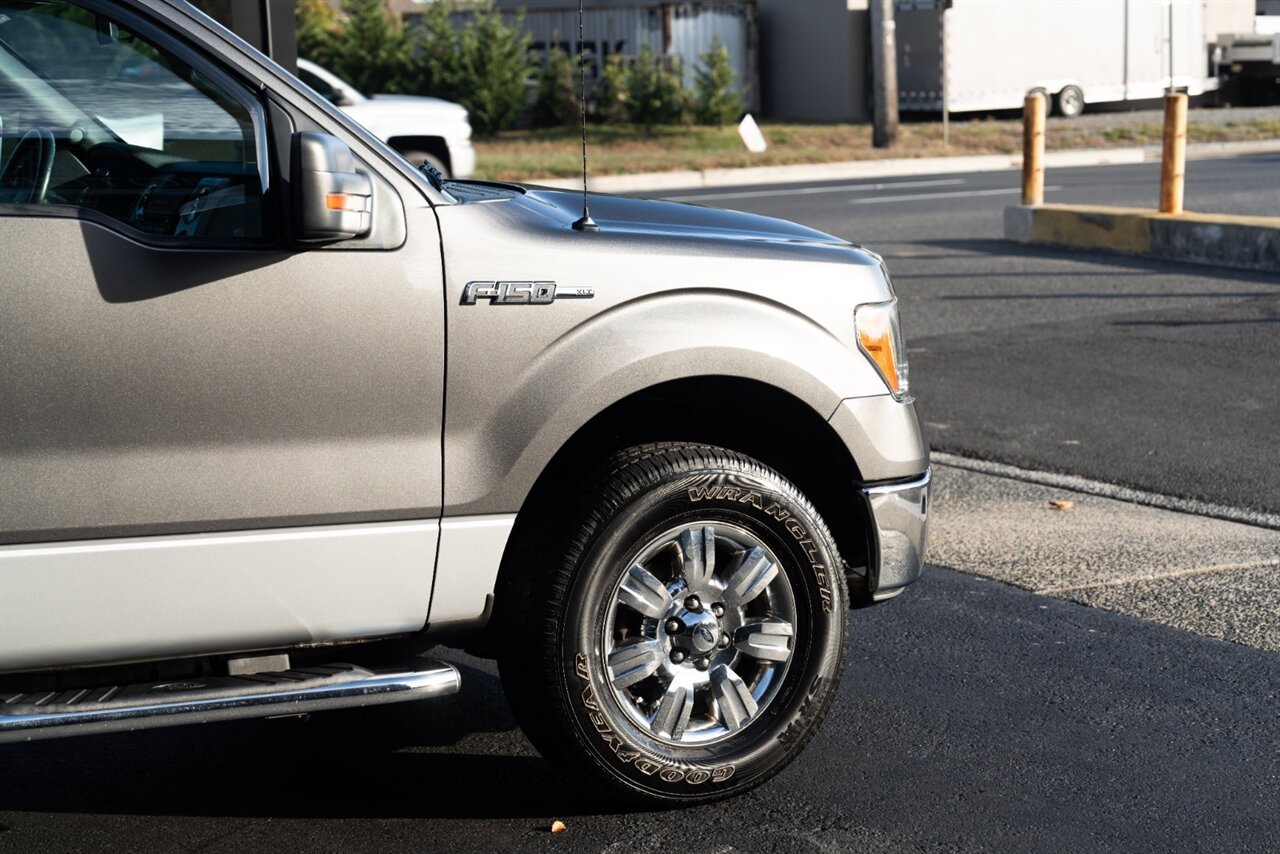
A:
(388, 116)
(424, 105)
(649, 217)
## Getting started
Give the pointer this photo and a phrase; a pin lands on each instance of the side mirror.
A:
(332, 201)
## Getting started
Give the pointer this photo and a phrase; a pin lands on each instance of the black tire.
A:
(569, 602)
(1070, 102)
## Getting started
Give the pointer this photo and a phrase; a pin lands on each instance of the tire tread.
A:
(531, 674)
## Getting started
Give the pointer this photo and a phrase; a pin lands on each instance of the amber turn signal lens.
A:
(880, 339)
(877, 343)
(345, 202)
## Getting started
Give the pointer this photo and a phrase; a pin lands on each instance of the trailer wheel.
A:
(1070, 102)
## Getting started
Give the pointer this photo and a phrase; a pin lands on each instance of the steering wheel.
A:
(25, 176)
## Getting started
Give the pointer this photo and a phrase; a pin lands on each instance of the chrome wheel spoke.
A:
(634, 662)
(767, 641)
(698, 555)
(674, 710)
(751, 577)
(733, 698)
(693, 652)
(643, 591)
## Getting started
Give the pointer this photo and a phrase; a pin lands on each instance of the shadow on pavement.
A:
(401, 761)
(1133, 262)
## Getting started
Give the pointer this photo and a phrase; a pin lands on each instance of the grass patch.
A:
(625, 149)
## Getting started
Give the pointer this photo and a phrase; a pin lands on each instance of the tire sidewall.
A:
(1070, 102)
(789, 527)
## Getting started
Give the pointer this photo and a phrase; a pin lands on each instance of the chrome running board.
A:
(85, 711)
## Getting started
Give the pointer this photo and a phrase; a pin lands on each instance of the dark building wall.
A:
(813, 59)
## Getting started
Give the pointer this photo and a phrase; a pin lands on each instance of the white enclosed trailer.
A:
(989, 54)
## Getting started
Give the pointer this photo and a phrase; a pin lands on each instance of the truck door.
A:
(209, 440)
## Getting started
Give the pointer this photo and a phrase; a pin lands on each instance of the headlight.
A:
(880, 338)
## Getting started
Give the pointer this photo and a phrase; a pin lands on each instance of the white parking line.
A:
(1004, 191)
(1110, 490)
(1159, 576)
(809, 191)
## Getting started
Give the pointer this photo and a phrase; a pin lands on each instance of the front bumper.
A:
(899, 514)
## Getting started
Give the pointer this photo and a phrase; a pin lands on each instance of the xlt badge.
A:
(521, 293)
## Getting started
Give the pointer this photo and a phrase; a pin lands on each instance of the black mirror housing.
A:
(332, 201)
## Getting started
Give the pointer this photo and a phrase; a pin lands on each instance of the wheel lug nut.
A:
(677, 655)
(724, 640)
(717, 609)
(693, 603)
(673, 626)
(702, 663)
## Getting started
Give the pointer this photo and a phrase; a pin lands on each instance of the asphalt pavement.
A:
(1216, 577)
(973, 716)
(1156, 375)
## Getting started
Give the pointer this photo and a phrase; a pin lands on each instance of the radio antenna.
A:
(585, 223)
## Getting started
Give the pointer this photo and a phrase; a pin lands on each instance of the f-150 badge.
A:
(521, 293)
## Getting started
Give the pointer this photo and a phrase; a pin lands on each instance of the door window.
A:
(94, 116)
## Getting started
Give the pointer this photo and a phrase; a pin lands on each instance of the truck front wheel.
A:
(681, 637)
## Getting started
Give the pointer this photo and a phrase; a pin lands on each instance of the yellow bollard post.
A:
(1033, 149)
(1173, 155)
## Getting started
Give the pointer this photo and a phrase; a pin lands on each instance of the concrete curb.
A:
(1223, 240)
(890, 168)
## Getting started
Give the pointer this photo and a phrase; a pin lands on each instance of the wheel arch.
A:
(809, 453)
(433, 145)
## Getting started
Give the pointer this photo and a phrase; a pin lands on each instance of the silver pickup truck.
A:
(279, 414)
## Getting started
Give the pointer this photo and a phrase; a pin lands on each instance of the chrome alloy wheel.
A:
(698, 633)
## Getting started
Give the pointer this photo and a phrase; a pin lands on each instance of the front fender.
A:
(497, 447)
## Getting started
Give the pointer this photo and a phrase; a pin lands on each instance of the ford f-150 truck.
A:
(281, 413)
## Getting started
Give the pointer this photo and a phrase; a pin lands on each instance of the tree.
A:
(318, 31)
(373, 52)
(611, 93)
(437, 50)
(655, 92)
(497, 64)
(717, 98)
(557, 91)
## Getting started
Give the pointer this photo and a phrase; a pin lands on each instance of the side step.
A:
(85, 711)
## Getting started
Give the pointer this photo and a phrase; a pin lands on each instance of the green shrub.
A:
(611, 91)
(655, 94)
(558, 90)
(373, 50)
(717, 100)
(496, 65)
(318, 31)
(437, 52)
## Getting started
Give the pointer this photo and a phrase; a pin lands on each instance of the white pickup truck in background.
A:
(423, 130)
